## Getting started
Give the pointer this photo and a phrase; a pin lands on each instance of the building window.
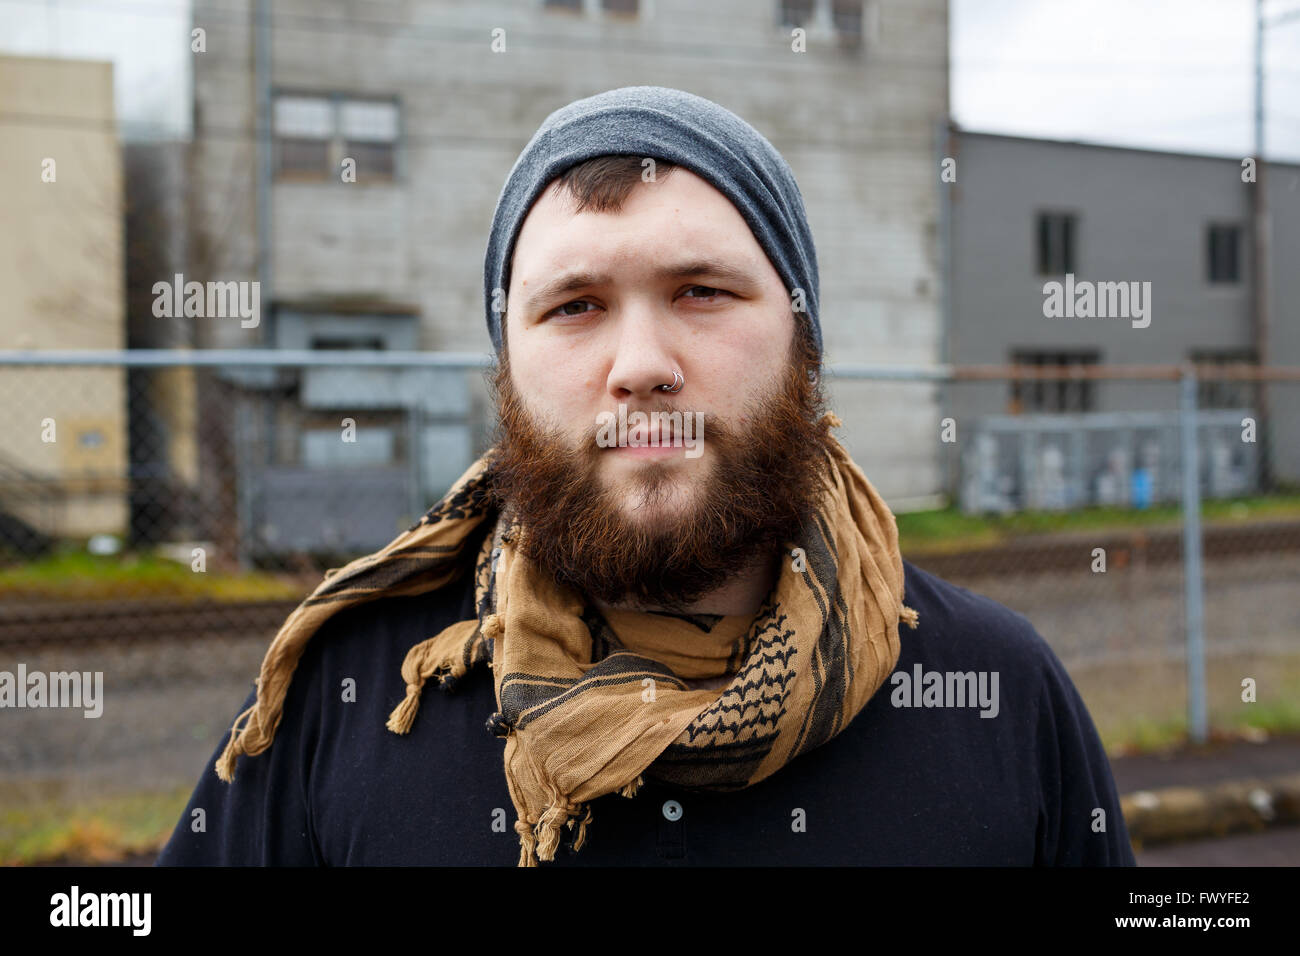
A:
(846, 15)
(315, 134)
(1045, 395)
(796, 13)
(1056, 243)
(623, 7)
(569, 6)
(1219, 392)
(1223, 249)
(304, 126)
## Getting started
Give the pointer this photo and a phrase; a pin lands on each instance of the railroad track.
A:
(75, 622)
(1148, 546)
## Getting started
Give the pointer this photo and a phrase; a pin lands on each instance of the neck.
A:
(743, 593)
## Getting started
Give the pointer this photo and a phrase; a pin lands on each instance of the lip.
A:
(652, 436)
(648, 451)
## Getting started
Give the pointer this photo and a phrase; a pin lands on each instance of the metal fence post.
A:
(415, 455)
(1193, 581)
(244, 444)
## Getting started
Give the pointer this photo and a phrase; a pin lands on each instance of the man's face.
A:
(602, 308)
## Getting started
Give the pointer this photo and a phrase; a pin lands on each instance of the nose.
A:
(644, 356)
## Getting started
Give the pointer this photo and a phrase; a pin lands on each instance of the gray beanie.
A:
(663, 123)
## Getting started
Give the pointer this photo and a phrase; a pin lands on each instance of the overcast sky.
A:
(1162, 74)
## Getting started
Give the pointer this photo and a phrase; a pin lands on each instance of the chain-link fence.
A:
(162, 513)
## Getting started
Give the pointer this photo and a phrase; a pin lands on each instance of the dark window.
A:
(796, 13)
(1045, 395)
(626, 7)
(572, 6)
(374, 160)
(1220, 392)
(1224, 243)
(301, 158)
(847, 18)
(1056, 243)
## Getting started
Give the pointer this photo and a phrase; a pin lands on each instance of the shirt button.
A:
(672, 811)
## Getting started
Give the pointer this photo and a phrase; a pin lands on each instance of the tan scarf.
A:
(591, 703)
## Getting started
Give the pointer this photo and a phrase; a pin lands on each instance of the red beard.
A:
(762, 485)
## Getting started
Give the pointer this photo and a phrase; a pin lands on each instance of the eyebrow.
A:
(573, 281)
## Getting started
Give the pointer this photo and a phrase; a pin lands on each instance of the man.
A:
(668, 594)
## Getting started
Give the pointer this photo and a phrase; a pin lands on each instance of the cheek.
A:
(555, 398)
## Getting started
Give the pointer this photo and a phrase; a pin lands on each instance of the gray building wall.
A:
(1142, 215)
(856, 125)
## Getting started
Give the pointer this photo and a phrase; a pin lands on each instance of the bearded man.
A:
(664, 605)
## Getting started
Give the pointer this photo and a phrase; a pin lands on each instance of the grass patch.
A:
(89, 832)
(949, 529)
(78, 575)
(1140, 708)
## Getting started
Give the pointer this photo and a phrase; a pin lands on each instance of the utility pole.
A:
(1259, 270)
(1262, 229)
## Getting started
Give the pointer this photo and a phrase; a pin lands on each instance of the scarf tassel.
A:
(236, 745)
(422, 661)
(581, 838)
(527, 844)
(545, 836)
(548, 831)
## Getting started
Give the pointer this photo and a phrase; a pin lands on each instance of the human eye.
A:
(562, 311)
(708, 289)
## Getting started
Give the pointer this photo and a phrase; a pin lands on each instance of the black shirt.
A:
(900, 785)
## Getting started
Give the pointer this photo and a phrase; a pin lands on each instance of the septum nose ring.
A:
(678, 381)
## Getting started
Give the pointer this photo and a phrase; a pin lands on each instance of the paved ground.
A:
(1205, 766)
(1227, 760)
(1279, 846)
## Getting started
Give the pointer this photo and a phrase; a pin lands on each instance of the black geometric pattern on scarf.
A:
(724, 747)
(832, 667)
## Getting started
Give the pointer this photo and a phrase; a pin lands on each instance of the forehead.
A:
(680, 214)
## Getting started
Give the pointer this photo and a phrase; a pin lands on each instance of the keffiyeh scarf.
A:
(593, 702)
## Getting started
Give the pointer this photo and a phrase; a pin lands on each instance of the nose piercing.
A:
(678, 381)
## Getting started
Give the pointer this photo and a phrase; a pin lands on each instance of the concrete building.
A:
(1027, 212)
(63, 442)
(434, 101)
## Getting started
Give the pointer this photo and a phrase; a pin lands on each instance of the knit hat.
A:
(692, 132)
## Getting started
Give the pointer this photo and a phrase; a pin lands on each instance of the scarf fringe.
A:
(909, 615)
(548, 829)
(527, 844)
(235, 746)
(581, 838)
(442, 656)
(540, 842)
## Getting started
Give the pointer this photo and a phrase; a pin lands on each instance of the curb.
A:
(1195, 813)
